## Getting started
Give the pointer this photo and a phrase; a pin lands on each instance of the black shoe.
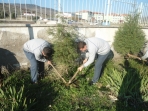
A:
(91, 83)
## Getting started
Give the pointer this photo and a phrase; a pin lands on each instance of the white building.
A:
(100, 17)
(117, 18)
(67, 15)
(29, 14)
(85, 15)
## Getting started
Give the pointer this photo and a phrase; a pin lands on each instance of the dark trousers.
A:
(98, 66)
(37, 67)
(41, 69)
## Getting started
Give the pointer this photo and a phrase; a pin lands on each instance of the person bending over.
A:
(94, 46)
(37, 51)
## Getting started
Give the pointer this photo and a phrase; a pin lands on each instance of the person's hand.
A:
(49, 62)
(80, 68)
(84, 61)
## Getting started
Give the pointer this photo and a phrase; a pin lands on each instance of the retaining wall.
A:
(13, 36)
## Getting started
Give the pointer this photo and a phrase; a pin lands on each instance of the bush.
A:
(2, 14)
(65, 47)
(35, 18)
(129, 85)
(129, 37)
(13, 94)
(13, 16)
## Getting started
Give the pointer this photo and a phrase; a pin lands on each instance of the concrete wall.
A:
(13, 36)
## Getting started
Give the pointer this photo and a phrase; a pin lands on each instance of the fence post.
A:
(36, 11)
(140, 11)
(45, 9)
(4, 9)
(26, 9)
(9, 10)
(108, 8)
(40, 11)
(20, 10)
(15, 9)
(59, 10)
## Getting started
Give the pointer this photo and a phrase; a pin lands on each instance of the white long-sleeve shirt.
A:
(36, 47)
(145, 56)
(95, 46)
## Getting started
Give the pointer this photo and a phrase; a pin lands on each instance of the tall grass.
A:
(12, 94)
(128, 84)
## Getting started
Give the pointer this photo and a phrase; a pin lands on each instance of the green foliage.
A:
(65, 51)
(35, 17)
(2, 14)
(81, 97)
(13, 100)
(13, 16)
(129, 37)
(51, 95)
(12, 93)
(143, 75)
(16, 79)
(113, 77)
(128, 84)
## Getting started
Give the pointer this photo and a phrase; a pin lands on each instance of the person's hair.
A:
(48, 51)
(81, 44)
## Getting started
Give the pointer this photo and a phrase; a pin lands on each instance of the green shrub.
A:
(13, 100)
(13, 16)
(35, 18)
(12, 92)
(129, 37)
(65, 50)
(82, 97)
(129, 85)
(2, 14)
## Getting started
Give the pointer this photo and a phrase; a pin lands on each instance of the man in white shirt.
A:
(37, 50)
(94, 46)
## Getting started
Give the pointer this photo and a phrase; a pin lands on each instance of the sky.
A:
(144, 1)
(18, 1)
(78, 5)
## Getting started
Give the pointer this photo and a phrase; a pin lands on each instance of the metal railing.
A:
(92, 12)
